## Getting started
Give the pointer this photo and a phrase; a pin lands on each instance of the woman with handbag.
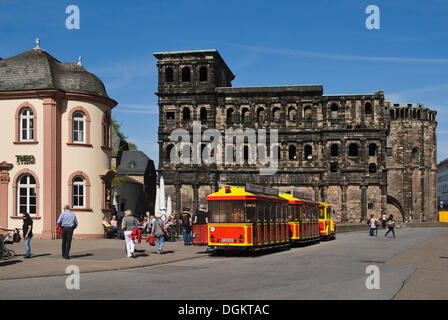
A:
(128, 225)
(390, 225)
(160, 232)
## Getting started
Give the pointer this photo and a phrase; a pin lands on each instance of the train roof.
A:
(290, 198)
(324, 204)
(242, 194)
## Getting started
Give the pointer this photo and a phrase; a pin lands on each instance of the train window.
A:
(260, 211)
(297, 212)
(291, 212)
(251, 209)
(329, 212)
(229, 211)
(322, 213)
(214, 210)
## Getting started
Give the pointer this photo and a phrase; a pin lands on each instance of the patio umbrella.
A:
(169, 208)
(162, 201)
(157, 205)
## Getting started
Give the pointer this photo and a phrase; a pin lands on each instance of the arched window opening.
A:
(308, 152)
(26, 195)
(246, 154)
(26, 124)
(334, 111)
(308, 113)
(333, 167)
(229, 116)
(292, 153)
(372, 149)
(78, 128)
(415, 155)
(372, 168)
(203, 74)
(276, 114)
(169, 74)
(78, 192)
(292, 114)
(353, 150)
(334, 150)
(186, 74)
(186, 114)
(368, 108)
(392, 114)
(261, 115)
(203, 114)
(245, 115)
(168, 152)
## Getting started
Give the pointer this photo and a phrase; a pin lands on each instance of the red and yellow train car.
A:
(250, 218)
(327, 225)
(303, 219)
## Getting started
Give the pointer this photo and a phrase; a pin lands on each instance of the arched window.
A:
(308, 152)
(334, 111)
(292, 153)
(308, 113)
(186, 74)
(186, 114)
(229, 118)
(246, 154)
(245, 115)
(78, 192)
(368, 108)
(353, 150)
(169, 74)
(78, 127)
(261, 115)
(168, 152)
(276, 114)
(203, 74)
(26, 124)
(334, 150)
(292, 114)
(372, 168)
(277, 152)
(203, 114)
(26, 195)
(415, 155)
(392, 114)
(372, 149)
(333, 167)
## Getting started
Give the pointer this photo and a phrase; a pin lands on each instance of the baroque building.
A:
(360, 152)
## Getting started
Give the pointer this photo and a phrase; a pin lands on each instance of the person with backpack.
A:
(160, 232)
(128, 225)
(390, 225)
(186, 226)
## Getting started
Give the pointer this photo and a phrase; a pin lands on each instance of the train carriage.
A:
(250, 218)
(302, 219)
(327, 226)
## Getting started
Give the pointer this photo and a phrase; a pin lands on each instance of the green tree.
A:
(132, 146)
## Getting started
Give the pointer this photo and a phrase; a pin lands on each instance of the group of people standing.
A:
(200, 219)
(388, 222)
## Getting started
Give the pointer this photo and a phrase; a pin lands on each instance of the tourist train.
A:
(259, 217)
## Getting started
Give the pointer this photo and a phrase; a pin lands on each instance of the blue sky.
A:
(263, 42)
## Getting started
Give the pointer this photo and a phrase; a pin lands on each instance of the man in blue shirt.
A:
(67, 222)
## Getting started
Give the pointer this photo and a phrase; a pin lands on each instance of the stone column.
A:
(178, 199)
(383, 199)
(4, 182)
(344, 217)
(323, 193)
(316, 193)
(195, 197)
(363, 202)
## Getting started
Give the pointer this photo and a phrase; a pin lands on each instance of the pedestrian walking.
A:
(383, 220)
(373, 224)
(390, 225)
(68, 223)
(27, 230)
(186, 226)
(128, 225)
(160, 232)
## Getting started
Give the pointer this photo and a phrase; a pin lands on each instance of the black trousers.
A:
(67, 235)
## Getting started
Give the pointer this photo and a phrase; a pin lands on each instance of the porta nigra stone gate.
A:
(360, 152)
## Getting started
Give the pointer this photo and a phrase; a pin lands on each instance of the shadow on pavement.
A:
(39, 255)
(7, 263)
(81, 255)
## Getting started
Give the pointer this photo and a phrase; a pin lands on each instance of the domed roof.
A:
(35, 69)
